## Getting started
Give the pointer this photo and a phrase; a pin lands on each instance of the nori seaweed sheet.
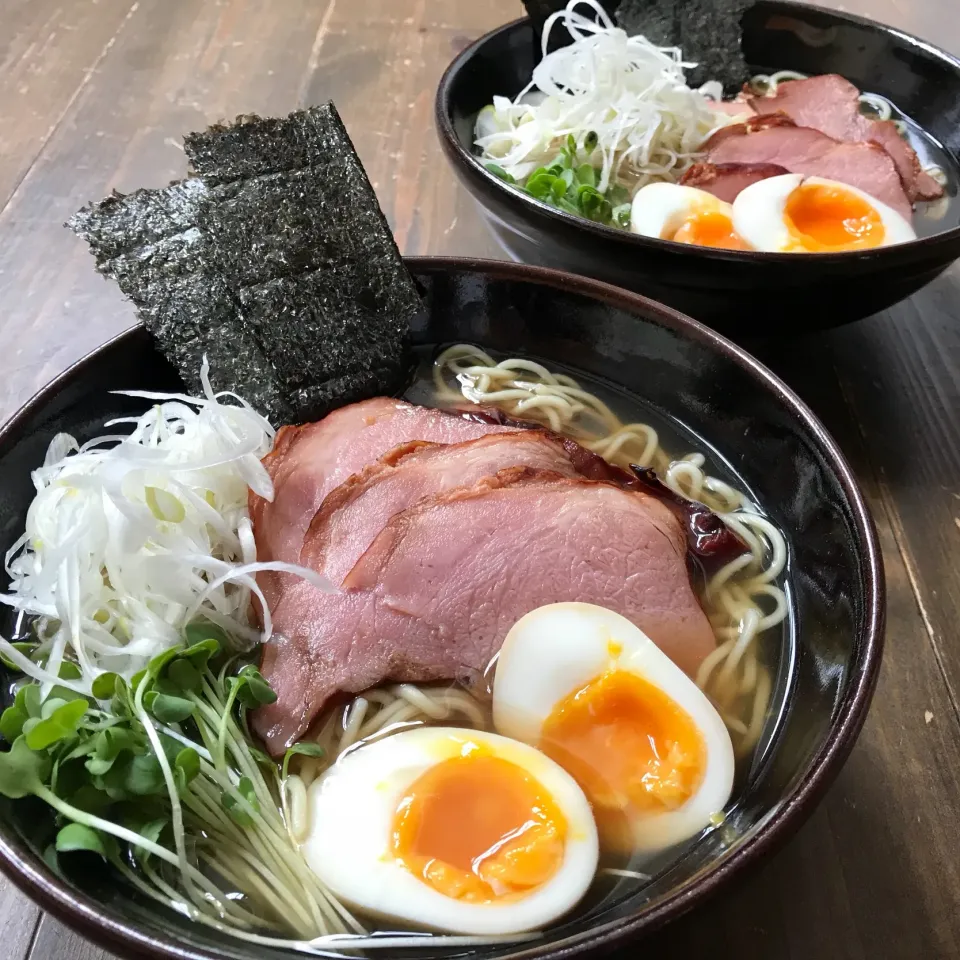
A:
(707, 31)
(275, 262)
(255, 145)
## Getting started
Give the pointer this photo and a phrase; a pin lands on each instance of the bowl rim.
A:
(85, 915)
(523, 203)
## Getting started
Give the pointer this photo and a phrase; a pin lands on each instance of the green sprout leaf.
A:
(144, 775)
(252, 690)
(237, 810)
(98, 767)
(105, 686)
(121, 704)
(13, 718)
(152, 829)
(201, 633)
(540, 184)
(590, 141)
(91, 800)
(186, 766)
(22, 772)
(31, 699)
(499, 172)
(148, 829)
(237, 813)
(69, 671)
(203, 651)
(111, 741)
(300, 749)
(77, 837)
(156, 665)
(113, 783)
(59, 724)
(84, 746)
(68, 776)
(50, 706)
(563, 183)
(586, 173)
(259, 756)
(23, 646)
(168, 708)
(593, 204)
(247, 791)
(107, 746)
(184, 676)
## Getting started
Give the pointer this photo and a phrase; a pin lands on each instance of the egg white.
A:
(558, 649)
(661, 209)
(759, 210)
(352, 807)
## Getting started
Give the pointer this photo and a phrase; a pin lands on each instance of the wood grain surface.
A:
(96, 95)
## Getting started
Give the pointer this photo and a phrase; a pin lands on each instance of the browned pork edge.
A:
(727, 180)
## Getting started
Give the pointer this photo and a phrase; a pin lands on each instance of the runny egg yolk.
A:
(822, 218)
(631, 748)
(479, 828)
(709, 228)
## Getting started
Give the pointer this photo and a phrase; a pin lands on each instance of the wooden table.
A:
(96, 95)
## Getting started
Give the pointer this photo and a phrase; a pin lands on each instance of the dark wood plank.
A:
(56, 942)
(19, 918)
(902, 374)
(48, 52)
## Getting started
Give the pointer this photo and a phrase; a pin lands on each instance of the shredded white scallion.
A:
(132, 536)
(630, 93)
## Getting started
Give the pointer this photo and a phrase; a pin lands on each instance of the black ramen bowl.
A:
(740, 293)
(755, 427)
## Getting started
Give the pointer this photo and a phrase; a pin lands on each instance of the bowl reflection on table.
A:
(738, 293)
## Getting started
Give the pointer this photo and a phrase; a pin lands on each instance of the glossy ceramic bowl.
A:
(738, 293)
(680, 369)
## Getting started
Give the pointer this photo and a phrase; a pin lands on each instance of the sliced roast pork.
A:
(436, 592)
(813, 154)
(831, 104)
(308, 461)
(709, 540)
(354, 513)
(726, 180)
(754, 124)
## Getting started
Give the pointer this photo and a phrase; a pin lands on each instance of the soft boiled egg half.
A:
(670, 211)
(455, 830)
(785, 214)
(595, 693)
(796, 214)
